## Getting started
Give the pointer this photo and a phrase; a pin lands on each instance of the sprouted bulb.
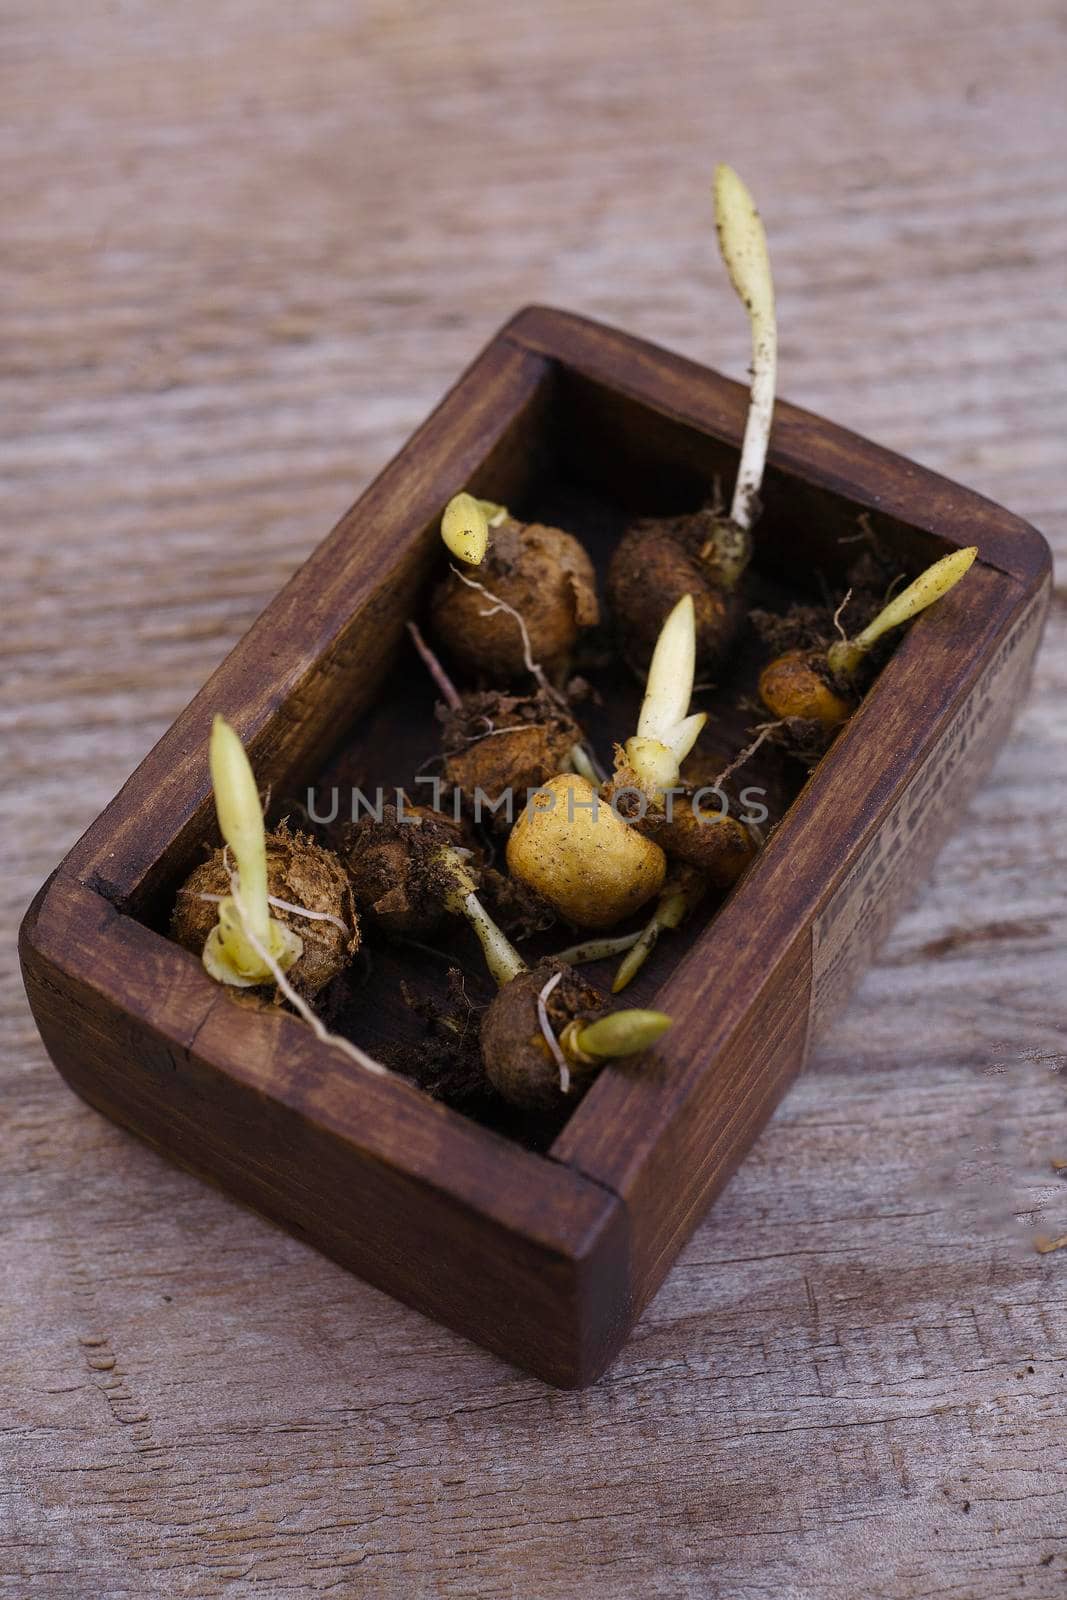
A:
(264, 902)
(706, 553)
(822, 686)
(517, 593)
(548, 1033)
(408, 872)
(571, 847)
(231, 954)
(496, 743)
(705, 848)
(596, 855)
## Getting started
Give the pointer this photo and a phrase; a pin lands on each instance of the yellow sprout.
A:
(501, 957)
(673, 906)
(620, 1033)
(465, 529)
(845, 655)
(665, 732)
(230, 954)
(743, 244)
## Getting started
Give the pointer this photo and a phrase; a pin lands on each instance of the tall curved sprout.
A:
(743, 244)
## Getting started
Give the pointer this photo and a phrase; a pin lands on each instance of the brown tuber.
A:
(409, 873)
(657, 561)
(495, 743)
(396, 870)
(800, 684)
(526, 571)
(307, 879)
(545, 1036)
(223, 911)
(705, 837)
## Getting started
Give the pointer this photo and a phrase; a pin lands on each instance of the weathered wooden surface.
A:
(245, 248)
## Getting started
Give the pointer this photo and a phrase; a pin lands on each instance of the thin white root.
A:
(549, 1037)
(534, 668)
(837, 616)
(312, 916)
(745, 755)
(287, 905)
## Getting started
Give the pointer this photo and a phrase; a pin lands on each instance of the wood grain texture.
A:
(246, 249)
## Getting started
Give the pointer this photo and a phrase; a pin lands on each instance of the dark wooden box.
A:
(547, 1259)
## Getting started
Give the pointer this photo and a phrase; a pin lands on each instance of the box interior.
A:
(587, 459)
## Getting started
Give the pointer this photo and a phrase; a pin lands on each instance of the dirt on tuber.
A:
(540, 573)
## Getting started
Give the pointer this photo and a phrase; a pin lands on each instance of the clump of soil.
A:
(497, 743)
(519, 910)
(446, 1061)
(802, 627)
(395, 866)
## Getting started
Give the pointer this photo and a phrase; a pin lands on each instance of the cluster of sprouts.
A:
(280, 914)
